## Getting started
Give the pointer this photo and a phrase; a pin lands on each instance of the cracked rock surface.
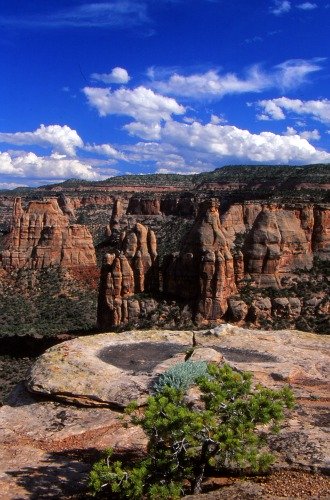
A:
(78, 389)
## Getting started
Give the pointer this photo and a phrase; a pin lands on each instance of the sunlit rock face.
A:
(42, 236)
(264, 245)
(131, 270)
(279, 242)
(86, 382)
(204, 269)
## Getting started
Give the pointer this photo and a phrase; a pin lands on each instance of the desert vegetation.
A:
(219, 426)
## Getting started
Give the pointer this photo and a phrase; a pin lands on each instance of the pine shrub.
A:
(184, 443)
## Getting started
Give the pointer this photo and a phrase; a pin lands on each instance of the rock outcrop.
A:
(76, 371)
(225, 260)
(203, 272)
(132, 269)
(41, 236)
(276, 245)
(321, 232)
(46, 443)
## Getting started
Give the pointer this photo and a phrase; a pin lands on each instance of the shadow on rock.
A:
(63, 475)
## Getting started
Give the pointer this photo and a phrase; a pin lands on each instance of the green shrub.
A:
(182, 375)
(185, 442)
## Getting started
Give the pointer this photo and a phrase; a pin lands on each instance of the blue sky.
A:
(102, 88)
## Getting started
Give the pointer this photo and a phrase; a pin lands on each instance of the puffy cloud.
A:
(280, 7)
(140, 103)
(313, 135)
(62, 139)
(212, 144)
(148, 131)
(275, 108)
(211, 84)
(56, 166)
(117, 75)
(228, 141)
(307, 6)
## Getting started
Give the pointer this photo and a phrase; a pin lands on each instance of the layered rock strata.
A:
(131, 270)
(204, 271)
(223, 261)
(41, 236)
(277, 244)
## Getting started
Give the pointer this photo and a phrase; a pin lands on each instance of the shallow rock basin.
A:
(140, 357)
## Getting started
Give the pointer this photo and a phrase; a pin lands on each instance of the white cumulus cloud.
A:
(213, 143)
(55, 166)
(140, 103)
(62, 139)
(280, 7)
(275, 109)
(117, 75)
(227, 140)
(309, 135)
(148, 131)
(105, 150)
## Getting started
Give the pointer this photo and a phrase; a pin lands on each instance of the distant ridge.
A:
(315, 176)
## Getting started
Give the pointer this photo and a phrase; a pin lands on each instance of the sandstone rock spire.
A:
(133, 269)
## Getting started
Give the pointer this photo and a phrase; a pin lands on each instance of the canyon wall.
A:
(259, 246)
(246, 262)
(41, 236)
(127, 273)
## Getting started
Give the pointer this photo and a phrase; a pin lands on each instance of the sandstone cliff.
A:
(41, 236)
(277, 245)
(204, 269)
(132, 269)
(228, 261)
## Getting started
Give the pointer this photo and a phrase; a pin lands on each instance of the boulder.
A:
(238, 309)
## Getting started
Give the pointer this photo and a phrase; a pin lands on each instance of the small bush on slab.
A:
(182, 375)
(184, 442)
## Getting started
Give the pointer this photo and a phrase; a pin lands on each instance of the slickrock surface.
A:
(41, 236)
(48, 442)
(107, 369)
(46, 446)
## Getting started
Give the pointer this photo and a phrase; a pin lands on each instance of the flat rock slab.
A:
(47, 447)
(107, 369)
(46, 443)
(286, 357)
(275, 357)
